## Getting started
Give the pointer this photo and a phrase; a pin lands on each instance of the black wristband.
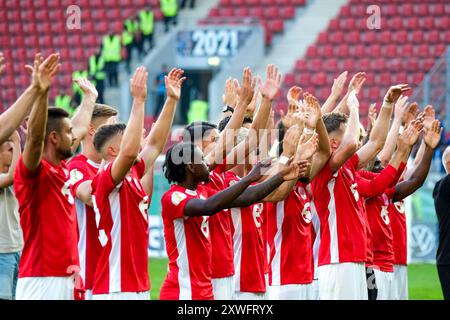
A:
(227, 108)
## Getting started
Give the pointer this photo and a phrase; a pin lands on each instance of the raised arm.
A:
(131, 140)
(431, 140)
(8, 179)
(268, 92)
(42, 73)
(83, 116)
(355, 85)
(336, 91)
(380, 130)
(349, 143)
(2, 63)
(11, 119)
(224, 199)
(159, 133)
(401, 106)
(225, 143)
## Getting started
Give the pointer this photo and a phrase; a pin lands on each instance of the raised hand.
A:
(272, 84)
(292, 118)
(258, 170)
(395, 92)
(173, 82)
(433, 134)
(307, 148)
(2, 63)
(291, 139)
(294, 170)
(411, 134)
(294, 94)
(429, 116)
(87, 87)
(247, 87)
(230, 95)
(357, 82)
(339, 85)
(400, 107)
(311, 110)
(410, 114)
(138, 85)
(372, 114)
(43, 71)
(252, 105)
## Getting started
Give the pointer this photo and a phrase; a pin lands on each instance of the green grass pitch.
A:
(423, 280)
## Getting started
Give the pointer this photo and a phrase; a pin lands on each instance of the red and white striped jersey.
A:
(188, 246)
(249, 245)
(290, 239)
(123, 232)
(48, 220)
(220, 229)
(342, 224)
(81, 170)
(397, 215)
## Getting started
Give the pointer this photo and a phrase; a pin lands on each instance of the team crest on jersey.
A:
(177, 197)
(306, 213)
(205, 226)
(75, 176)
(143, 207)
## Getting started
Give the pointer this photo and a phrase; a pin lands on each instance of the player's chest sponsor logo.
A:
(257, 211)
(204, 227)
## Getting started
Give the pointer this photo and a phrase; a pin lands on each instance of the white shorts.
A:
(45, 288)
(290, 292)
(88, 295)
(343, 281)
(315, 290)
(385, 285)
(223, 288)
(145, 295)
(401, 282)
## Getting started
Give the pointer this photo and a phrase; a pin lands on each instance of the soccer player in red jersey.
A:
(120, 201)
(221, 154)
(83, 167)
(186, 210)
(42, 185)
(290, 220)
(342, 252)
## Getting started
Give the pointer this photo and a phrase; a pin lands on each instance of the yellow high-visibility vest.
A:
(97, 68)
(169, 8)
(198, 111)
(146, 22)
(112, 49)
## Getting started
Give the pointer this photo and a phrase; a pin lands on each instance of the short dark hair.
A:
(54, 117)
(333, 121)
(223, 123)
(189, 131)
(106, 132)
(173, 171)
(102, 111)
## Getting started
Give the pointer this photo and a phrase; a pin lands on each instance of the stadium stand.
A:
(30, 25)
(272, 14)
(412, 36)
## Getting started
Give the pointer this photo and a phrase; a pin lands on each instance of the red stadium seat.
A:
(417, 37)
